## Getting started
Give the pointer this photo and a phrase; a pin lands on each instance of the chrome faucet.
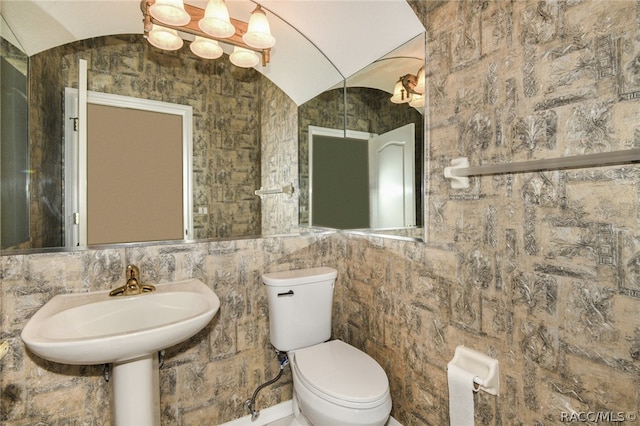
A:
(133, 285)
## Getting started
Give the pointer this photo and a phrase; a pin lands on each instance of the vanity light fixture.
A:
(258, 33)
(408, 87)
(252, 41)
(164, 38)
(417, 100)
(206, 48)
(216, 21)
(244, 58)
(170, 12)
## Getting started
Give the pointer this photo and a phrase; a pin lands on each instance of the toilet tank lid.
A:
(299, 276)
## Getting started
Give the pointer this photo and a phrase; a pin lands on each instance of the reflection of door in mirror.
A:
(338, 178)
(392, 178)
(362, 180)
(135, 172)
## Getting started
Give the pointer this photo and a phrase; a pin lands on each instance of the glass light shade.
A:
(216, 20)
(400, 95)
(244, 58)
(170, 12)
(258, 33)
(420, 86)
(205, 48)
(417, 101)
(164, 38)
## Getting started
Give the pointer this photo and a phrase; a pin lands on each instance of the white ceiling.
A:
(318, 42)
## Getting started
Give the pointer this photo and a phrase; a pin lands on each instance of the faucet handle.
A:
(133, 272)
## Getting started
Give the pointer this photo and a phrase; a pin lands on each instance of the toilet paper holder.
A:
(484, 368)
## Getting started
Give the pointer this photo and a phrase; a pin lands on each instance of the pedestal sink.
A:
(126, 331)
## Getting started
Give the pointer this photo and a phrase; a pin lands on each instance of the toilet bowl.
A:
(334, 383)
(337, 384)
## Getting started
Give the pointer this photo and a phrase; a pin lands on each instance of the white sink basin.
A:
(94, 328)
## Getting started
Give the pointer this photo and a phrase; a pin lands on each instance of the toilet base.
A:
(298, 418)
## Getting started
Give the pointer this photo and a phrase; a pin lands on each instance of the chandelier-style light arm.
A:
(192, 28)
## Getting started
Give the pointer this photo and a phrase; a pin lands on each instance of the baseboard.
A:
(267, 415)
(278, 412)
(393, 422)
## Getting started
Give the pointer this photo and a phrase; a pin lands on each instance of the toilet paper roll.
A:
(460, 396)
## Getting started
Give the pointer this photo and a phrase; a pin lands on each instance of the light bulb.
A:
(170, 12)
(216, 20)
(258, 33)
(164, 38)
(206, 48)
(400, 94)
(417, 101)
(244, 58)
(420, 85)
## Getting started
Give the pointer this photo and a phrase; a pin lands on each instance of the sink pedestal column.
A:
(136, 392)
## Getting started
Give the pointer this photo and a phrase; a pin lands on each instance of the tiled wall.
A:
(538, 270)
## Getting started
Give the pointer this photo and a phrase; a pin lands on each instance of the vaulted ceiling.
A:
(318, 42)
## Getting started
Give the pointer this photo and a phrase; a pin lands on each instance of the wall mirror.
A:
(360, 113)
(41, 187)
(14, 182)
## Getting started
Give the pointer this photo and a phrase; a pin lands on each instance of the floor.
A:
(282, 422)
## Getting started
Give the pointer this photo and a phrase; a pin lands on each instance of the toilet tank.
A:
(300, 303)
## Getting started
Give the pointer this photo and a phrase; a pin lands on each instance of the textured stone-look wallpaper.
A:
(204, 381)
(279, 166)
(538, 270)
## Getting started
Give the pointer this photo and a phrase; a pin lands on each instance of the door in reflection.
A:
(392, 178)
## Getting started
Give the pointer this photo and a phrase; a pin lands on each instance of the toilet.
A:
(333, 383)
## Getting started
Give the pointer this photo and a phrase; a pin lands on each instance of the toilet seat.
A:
(342, 374)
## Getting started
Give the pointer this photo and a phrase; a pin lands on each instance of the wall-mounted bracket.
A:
(484, 368)
(457, 182)
(287, 189)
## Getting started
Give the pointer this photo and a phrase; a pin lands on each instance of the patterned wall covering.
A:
(538, 270)
(279, 154)
(204, 381)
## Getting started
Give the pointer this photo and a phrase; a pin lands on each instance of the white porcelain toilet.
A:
(333, 382)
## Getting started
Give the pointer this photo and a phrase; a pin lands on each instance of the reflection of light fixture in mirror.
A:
(206, 48)
(164, 38)
(259, 33)
(417, 100)
(170, 12)
(199, 18)
(400, 94)
(420, 85)
(216, 20)
(243, 58)
(409, 87)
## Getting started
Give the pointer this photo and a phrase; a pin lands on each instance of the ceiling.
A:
(318, 42)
